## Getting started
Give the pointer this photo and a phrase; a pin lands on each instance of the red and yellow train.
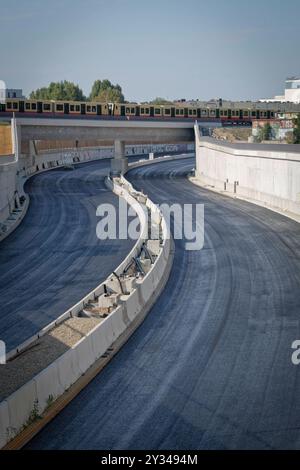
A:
(131, 110)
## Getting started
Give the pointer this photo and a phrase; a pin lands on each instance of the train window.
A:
(59, 107)
(47, 107)
(132, 111)
(15, 106)
(71, 107)
(204, 112)
(94, 109)
(142, 110)
(147, 111)
(77, 107)
(253, 113)
(167, 112)
(127, 110)
(88, 108)
(246, 113)
(190, 112)
(8, 105)
(33, 106)
(27, 105)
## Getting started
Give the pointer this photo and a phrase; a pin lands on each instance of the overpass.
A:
(119, 132)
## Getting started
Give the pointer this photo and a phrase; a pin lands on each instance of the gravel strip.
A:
(42, 353)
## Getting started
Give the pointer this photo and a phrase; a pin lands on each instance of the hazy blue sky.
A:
(173, 48)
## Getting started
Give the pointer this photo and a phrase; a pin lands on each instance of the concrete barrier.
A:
(24, 406)
(68, 368)
(5, 435)
(85, 353)
(48, 387)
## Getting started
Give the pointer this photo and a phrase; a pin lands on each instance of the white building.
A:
(291, 92)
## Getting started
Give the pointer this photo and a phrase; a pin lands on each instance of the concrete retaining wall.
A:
(8, 186)
(29, 164)
(266, 174)
(24, 405)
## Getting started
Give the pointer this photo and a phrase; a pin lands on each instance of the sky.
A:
(234, 49)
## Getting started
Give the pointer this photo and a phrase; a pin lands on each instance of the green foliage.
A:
(159, 100)
(296, 131)
(289, 137)
(50, 401)
(105, 91)
(63, 90)
(264, 133)
(34, 415)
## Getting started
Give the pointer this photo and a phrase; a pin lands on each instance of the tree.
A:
(63, 90)
(264, 133)
(159, 101)
(105, 91)
(296, 130)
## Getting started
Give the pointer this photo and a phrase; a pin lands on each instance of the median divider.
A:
(119, 305)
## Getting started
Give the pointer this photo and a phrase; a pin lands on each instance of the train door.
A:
(172, 112)
(21, 107)
(82, 108)
(99, 109)
(110, 109)
(186, 112)
(152, 111)
(122, 110)
(66, 108)
(39, 107)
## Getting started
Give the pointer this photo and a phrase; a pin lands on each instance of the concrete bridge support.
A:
(119, 163)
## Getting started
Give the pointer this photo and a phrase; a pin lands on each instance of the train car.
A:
(179, 112)
(12, 106)
(144, 111)
(124, 109)
(31, 106)
(79, 108)
(168, 111)
(192, 113)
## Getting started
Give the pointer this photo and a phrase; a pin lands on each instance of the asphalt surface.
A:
(54, 257)
(210, 368)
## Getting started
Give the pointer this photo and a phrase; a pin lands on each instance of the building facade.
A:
(291, 92)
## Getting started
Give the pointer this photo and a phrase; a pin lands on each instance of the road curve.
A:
(54, 257)
(210, 368)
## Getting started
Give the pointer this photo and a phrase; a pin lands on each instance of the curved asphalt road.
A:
(210, 368)
(54, 257)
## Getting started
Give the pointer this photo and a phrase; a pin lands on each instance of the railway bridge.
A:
(117, 132)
